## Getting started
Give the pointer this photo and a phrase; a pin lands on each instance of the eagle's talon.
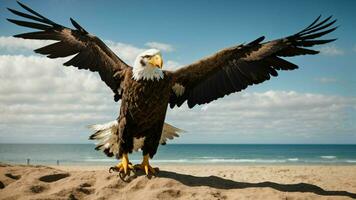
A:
(124, 166)
(125, 176)
(122, 176)
(111, 169)
(146, 167)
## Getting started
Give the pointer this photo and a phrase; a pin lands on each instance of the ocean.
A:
(230, 154)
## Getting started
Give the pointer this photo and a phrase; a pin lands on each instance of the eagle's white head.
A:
(148, 66)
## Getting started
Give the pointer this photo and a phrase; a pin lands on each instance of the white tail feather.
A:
(107, 136)
(101, 127)
(169, 132)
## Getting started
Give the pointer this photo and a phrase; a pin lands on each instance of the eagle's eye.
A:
(144, 60)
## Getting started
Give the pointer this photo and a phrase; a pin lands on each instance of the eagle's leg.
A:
(145, 165)
(124, 166)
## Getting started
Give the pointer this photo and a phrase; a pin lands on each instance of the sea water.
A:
(84, 154)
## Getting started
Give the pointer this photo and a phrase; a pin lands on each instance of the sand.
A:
(180, 182)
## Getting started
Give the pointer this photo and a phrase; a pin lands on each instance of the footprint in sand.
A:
(53, 177)
(85, 185)
(37, 188)
(16, 177)
(85, 188)
(72, 197)
(2, 185)
(169, 194)
(86, 191)
(9, 175)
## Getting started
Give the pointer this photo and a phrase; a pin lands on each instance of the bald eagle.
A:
(146, 90)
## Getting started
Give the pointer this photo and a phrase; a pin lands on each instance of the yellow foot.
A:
(146, 167)
(124, 166)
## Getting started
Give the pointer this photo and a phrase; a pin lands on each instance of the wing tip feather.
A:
(76, 25)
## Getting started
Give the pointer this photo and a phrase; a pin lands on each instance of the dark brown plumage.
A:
(144, 102)
(233, 69)
(92, 53)
(143, 110)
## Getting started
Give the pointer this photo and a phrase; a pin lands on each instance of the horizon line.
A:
(202, 143)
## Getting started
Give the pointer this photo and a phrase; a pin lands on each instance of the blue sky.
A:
(192, 30)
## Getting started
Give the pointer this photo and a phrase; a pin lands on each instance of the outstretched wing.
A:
(233, 69)
(90, 52)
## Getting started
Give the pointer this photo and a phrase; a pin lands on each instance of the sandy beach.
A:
(180, 182)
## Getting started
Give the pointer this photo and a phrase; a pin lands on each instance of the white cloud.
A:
(18, 45)
(172, 65)
(27, 74)
(127, 52)
(331, 50)
(274, 114)
(13, 44)
(161, 46)
(205, 107)
(36, 89)
(326, 80)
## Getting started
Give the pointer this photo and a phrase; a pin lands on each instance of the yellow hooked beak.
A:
(156, 61)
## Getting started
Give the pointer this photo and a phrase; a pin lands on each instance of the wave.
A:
(222, 160)
(328, 157)
(246, 160)
(293, 159)
(212, 160)
(208, 157)
(351, 161)
(216, 160)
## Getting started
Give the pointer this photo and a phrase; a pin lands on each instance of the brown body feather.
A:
(143, 110)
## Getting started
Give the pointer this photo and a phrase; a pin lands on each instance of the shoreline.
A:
(189, 163)
(100, 166)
